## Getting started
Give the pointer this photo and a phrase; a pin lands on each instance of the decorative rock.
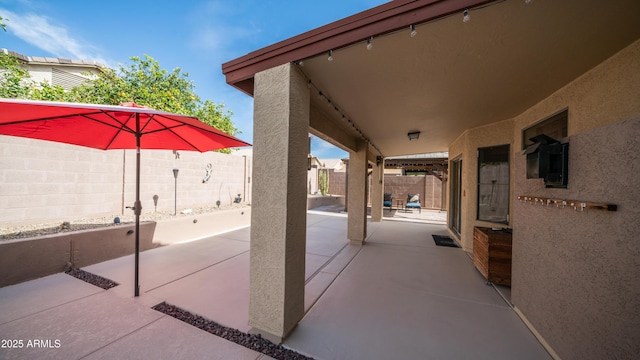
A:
(250, 341)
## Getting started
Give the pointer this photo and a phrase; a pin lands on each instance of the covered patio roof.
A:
(452, 75)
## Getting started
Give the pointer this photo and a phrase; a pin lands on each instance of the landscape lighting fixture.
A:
(465, 16)
(413, 135)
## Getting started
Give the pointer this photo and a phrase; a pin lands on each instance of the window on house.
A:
(455, 207)
(554, 126)
(493, 184)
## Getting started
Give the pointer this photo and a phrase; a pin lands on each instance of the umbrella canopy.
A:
(109, 127)
(128, 126)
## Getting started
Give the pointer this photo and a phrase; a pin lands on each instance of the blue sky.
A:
(196, 36)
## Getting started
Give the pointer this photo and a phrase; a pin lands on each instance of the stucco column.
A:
(357, 199)
(346, 188)
(377, 192)
(279, 207)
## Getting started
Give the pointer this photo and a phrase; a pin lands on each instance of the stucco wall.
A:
(575, 273)
(45, 181)
(574, 276)
(466, 147)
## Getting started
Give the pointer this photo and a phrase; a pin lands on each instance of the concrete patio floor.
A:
(398, 296)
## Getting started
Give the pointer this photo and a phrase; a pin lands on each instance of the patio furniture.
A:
(413, 202)
(388, 200)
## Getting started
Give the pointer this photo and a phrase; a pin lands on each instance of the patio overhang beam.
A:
(377, 21)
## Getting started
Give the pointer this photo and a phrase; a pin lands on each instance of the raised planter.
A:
(199, 226)
(32, 258)
(317, 201)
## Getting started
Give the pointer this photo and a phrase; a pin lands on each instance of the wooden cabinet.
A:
(492, 254)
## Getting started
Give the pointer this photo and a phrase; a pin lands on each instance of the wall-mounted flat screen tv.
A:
(548, 159)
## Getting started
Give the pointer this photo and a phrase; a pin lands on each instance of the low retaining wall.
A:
(27, 259)
(194, 227)
(32, 258)
(317, 201)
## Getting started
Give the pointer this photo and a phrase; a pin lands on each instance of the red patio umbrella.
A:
(105, 127)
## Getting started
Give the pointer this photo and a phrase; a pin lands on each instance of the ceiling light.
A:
(465, 16)
(369, 43)
(413, 30)
(330, 55)
(413, 135)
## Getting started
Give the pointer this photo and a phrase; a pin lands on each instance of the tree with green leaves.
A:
(14, 79)
(2, 24)
(143, 82)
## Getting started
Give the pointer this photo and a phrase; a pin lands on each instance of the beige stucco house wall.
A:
(466, 147)
(574, 273)
(56, 71)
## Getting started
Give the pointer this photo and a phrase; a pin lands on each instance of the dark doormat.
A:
(444, 241)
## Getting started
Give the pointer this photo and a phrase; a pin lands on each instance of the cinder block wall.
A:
(337, 182)
(429, 187)
(45, 181)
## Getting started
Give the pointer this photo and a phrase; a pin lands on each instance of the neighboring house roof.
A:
(315, 162)
(335, 164)
(58, 71)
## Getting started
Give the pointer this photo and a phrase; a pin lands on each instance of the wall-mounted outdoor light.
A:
(413, 135)
(175, 192)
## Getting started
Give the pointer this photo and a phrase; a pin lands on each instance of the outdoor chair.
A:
(413, 202)
(388, 200)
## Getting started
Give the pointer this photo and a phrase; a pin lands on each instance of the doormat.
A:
(444, 241)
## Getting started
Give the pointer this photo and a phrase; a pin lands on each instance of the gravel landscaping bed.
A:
(92, 279)
(10, 231)
(250, 341)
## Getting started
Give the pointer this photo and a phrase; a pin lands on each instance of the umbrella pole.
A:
(137, 206)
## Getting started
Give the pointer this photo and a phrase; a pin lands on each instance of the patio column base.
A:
(276, 339)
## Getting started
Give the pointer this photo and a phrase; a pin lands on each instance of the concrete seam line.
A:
(334, 279)
(99, 291)
(197, 271)
(122, 337)
(325, 263)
